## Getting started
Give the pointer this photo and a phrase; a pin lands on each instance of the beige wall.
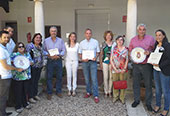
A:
(154, 13)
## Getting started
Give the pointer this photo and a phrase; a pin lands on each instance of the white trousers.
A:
(107, 78)
(71, 68)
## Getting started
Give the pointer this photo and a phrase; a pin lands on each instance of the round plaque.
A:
(21, 62)
(137, 55)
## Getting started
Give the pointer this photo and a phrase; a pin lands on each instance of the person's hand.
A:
(117, 71)
(101, 66)
(55, 57)
(147, 52)
(19, 69)
(94, 59)
(85, 60)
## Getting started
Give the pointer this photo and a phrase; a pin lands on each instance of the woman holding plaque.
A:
(105, 62)
(72, 63)
(119, 63)
(162, 72)
(36, 51)
(20, 58)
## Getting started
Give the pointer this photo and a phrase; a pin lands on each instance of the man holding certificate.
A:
(142, 44)
(88, 52)
(56, 49)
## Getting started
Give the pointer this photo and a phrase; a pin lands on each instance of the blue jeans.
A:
(90, 70)
(162, 84)
(51, 66)
(142, 71)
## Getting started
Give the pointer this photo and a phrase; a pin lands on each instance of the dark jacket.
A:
(164, 62)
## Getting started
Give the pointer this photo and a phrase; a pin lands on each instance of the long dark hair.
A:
(35, 36)
(70, 36)
(165, 39)
(17, 45)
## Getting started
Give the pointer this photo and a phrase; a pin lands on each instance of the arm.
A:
(100, 59)
(8, 67)
(112, 64)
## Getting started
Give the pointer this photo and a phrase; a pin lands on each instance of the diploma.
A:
(154, 58)
(88, 54)
(53, 52)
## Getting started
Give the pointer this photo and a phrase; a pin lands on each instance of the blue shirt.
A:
(10, 46)
(4, 55)
(58, 43)
(92, 44)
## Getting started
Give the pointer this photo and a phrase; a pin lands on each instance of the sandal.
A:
(165, 114)
(156, 111)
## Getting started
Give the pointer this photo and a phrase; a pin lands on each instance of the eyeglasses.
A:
(20, 46)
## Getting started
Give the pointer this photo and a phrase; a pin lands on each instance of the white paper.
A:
(53, 52)
(88, 54)
(154, 58)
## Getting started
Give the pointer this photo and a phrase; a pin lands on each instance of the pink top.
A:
(147, 44)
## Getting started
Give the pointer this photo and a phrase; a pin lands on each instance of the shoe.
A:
(59, 95)
(49, 96)
(74, 93)
(87, 95)
(156, 111)
(96, 99)
(122, 101)
(19, 110)
(31, 100)
(8, 113)
(149, 107)
(37, 98)
(165, 114)
(28, 106)
(114, 100)
(135, 103)
(69, 93)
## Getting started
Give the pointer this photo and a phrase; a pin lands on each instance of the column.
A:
(39, 17)
(131, 20)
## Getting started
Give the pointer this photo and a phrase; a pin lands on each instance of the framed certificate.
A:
(154, 58)
(53, 52)
(88, 54)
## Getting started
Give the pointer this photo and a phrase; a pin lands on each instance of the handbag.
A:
(120, 84)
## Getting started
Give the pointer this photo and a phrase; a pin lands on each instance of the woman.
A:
(36, 51)
(119, 63)
(21, 79)
(72, 63)
(105, 61)
(162, 72)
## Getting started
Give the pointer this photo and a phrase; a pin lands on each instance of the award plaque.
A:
(21, 62)
(137, 55)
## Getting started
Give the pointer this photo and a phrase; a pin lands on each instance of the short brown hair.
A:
(105, 34)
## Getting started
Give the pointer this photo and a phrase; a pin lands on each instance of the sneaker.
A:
(96, 100)
(31, 100)
(149, 107)
(74, 93)
(37, 98)
(19, 110)
(87, 95)
(49, 96)
(69, 93)
(135, 103)
(28, 106)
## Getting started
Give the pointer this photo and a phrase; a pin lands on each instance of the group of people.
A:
(113, 57)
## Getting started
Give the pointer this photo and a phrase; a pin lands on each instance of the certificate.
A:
(88, 54)
(53, 52)
(154, 58)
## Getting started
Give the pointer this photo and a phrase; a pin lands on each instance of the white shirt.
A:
(72, 52)
(157, 51)
(10, 46)
(92, 44)
(4, 55)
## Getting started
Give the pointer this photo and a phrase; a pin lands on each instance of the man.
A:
(54, 61)
(5, 71)
(143, 69)
(90, 65)
(11, 44)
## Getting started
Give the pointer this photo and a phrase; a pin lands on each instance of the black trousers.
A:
(35, 76)
(21, 93)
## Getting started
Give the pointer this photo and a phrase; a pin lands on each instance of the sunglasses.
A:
(20, 46)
